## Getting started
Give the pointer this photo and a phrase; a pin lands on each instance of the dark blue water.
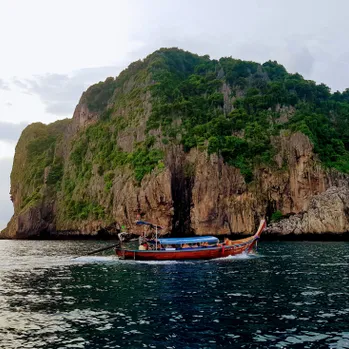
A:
(291, 295)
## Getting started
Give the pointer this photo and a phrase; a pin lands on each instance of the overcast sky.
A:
(51, 51)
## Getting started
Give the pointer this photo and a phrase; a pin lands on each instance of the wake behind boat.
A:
(199, 247)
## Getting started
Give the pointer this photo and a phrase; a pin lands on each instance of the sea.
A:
(287, 295)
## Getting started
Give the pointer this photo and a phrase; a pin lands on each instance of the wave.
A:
(240, 256)
(94, 259)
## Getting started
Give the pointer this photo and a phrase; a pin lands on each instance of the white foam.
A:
(162, 262)
(312, 293)
(94, 259)
(243, 255)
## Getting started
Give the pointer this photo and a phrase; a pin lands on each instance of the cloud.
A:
(7, 149)
(19, 83)
(3, 224)
(303, 61)
(10, 132)
(61, 92)
(3, 85)
(6, 208)
(314, 47)
(297, 54)
(5, 203)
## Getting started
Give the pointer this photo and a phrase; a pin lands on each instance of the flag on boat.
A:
(149, 224)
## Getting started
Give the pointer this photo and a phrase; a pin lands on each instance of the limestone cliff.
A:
(327, 212)
(196, 145)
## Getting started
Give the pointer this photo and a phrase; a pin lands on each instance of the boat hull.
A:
(187, 254)
(230, 248)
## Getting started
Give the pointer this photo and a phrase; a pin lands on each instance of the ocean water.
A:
(289, 295)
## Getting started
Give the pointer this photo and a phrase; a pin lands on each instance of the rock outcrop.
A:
(327, 212)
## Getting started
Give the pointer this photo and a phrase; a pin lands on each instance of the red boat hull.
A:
(185, 254)
(233, 248)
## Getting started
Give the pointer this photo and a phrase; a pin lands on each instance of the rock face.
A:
(102, 170)
(327, 212)
(201, 194)
(223, 203)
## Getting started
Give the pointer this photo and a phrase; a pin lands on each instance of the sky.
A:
(51, 51)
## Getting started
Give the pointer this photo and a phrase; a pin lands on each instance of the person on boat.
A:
(228, 242)
(194, 245)
(143, 247)
(142, 238)
(185, 246)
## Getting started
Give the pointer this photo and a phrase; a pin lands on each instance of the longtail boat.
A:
(199, 247)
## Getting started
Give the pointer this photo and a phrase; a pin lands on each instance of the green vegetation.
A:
(189, 88)
(228, 107)
(144, 160)
(100, 141)
(31, 200)
(108, 180)
(55, 174)
(81, 210)
(98, 95)
(40, 154)
(35, 153)
(276, 216)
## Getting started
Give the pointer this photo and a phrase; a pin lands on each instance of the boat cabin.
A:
(173, 244)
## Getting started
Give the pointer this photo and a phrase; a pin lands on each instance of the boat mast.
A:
(156, 237)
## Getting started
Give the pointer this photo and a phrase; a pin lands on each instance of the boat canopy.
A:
(148, 223)
(193, 240)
